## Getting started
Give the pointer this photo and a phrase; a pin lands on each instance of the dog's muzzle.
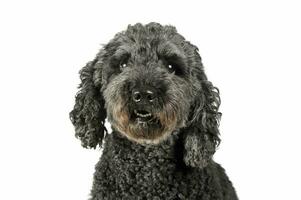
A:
(143, 96)
(143, 102)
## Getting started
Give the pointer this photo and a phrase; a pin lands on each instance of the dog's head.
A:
(148, 81)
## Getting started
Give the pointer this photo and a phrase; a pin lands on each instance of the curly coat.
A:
(169, 157)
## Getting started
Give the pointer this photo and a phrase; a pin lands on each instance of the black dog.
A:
(149, 82)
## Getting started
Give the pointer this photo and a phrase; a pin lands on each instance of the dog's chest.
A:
(147, 166)
(129, 171)
(144, 171)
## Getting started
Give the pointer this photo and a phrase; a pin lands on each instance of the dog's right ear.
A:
(88, 115)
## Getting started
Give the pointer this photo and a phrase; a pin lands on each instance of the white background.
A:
(250, 49)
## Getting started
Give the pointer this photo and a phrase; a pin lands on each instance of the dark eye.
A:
(171, 67)
(173, 64)
(123, 65)
(120, 62)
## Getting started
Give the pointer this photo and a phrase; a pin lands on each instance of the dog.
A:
(149, 83)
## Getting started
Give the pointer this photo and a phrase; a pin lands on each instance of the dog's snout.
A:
(140, 96)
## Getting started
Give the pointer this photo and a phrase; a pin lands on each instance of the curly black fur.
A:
(170, 155)
(88, 115)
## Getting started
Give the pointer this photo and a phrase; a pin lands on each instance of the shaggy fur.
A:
(149, 83)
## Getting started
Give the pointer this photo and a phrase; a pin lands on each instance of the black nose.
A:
(146, 96)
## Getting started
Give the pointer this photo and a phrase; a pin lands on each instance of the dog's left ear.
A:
(88, 115)
(201, 136)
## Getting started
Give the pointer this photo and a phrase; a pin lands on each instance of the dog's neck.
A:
(170, 148)
(170, 141)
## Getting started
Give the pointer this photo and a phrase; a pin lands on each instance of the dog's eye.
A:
(173, 65)
(171, 68)
(123, 65)
(121, 62)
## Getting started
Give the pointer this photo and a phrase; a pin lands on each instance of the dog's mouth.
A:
(143, 116)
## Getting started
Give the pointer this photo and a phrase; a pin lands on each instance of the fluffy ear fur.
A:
(201, 137)
(88, 115)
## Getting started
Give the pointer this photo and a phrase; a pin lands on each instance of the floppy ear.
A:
(201, 137)
(88, 115)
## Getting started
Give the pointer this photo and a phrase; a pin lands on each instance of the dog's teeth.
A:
(142, 115)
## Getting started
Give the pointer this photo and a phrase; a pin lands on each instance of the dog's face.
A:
(148, 83)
